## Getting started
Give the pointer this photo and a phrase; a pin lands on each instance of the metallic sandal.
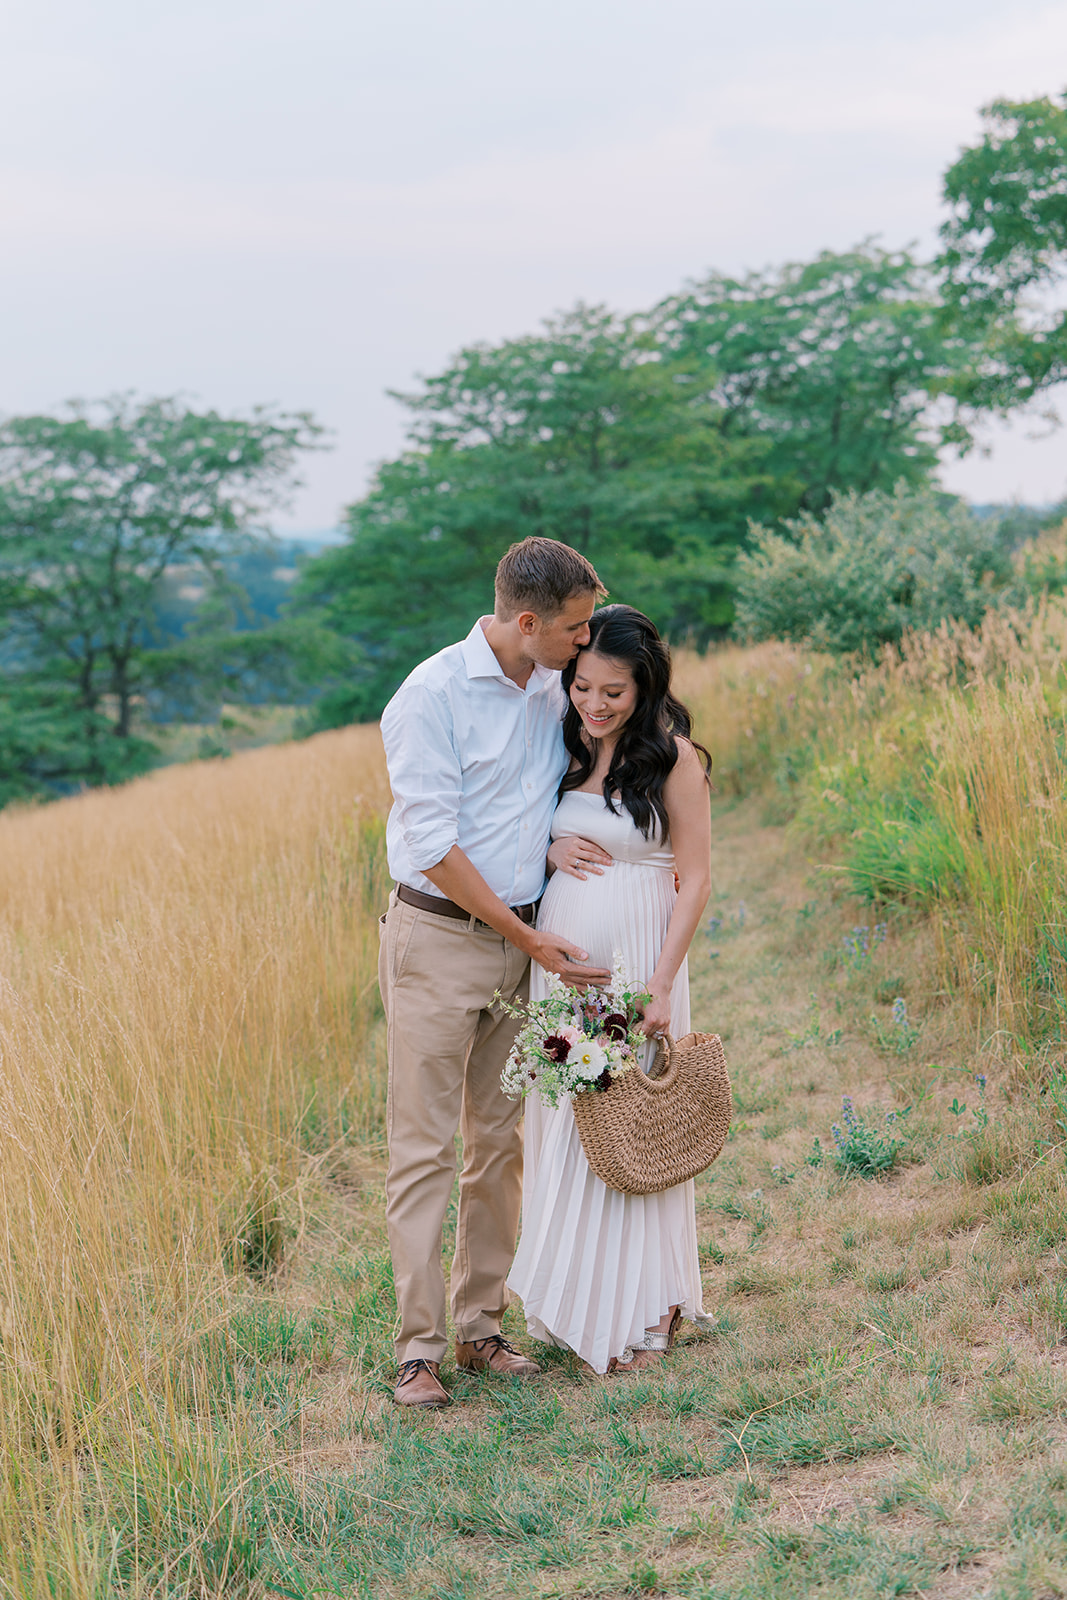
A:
(655, 1343)
(654, 1340)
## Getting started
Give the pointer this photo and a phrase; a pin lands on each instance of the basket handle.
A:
(662, 1059)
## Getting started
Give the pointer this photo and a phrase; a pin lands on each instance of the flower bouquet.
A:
(572, 1041)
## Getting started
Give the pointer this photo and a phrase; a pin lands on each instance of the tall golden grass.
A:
(756, 707)
(937, 776)
(187, 994)
(1001, 795)
(770, 712)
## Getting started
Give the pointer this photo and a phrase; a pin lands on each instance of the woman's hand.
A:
(577, 856)
(656, 1017)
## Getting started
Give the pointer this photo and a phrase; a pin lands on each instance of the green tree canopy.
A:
(94, 506)
(591, 433)
(648, 442)
(1005, 252)
(830, 362)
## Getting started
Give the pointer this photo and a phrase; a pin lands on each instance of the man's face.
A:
(554, 643)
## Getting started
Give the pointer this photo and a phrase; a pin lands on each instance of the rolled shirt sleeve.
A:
(424, 771)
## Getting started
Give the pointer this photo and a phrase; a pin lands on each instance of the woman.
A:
(605, 1274)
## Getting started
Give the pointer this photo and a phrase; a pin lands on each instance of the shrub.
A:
(876, 565)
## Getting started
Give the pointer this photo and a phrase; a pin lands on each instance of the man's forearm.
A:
(459, 879)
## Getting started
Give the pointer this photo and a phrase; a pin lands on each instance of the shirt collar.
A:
(481, 662)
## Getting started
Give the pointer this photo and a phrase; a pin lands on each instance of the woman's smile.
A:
(603, 694)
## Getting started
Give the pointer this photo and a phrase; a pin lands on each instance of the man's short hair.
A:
(541, 575)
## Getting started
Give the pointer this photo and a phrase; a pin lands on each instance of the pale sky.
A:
(310, 201)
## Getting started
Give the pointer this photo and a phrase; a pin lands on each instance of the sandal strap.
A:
(654, 1340)
(659, 1339)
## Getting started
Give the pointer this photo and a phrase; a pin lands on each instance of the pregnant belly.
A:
(626, 910)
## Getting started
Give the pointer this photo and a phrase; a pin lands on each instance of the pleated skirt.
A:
(594, 1267)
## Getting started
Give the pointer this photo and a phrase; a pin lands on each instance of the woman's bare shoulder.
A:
(690, 761)
(688, 775)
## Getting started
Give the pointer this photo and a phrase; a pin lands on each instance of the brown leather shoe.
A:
(496, 1354)
(418, 1384)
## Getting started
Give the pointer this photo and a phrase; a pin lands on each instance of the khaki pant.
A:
(446, 1050)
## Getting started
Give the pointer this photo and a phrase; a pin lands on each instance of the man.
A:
(473, 739)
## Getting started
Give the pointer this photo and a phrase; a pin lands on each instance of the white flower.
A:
(620, 978)
(589, 1059)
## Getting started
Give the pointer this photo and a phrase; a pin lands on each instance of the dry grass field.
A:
(195, 1297)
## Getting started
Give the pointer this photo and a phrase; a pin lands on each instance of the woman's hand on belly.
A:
(577, 856)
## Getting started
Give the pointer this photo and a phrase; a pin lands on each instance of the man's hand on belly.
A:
(556, 954)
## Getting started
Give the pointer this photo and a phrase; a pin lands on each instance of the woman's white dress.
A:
(594, 1267)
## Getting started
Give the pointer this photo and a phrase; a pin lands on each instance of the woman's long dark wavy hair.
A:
(647, 749)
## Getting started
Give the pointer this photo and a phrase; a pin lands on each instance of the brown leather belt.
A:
(449, 908)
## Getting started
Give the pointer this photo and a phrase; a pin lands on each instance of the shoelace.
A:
(497, 1340)
(408, 1369)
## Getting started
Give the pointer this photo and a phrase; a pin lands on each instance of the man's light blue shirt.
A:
(474, 761)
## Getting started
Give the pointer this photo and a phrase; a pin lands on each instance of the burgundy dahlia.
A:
(615, 1027)
(556, 1048)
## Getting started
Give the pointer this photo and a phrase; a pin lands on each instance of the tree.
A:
(590, 433)
(1005, 250)
(44, 739)
(95, 505)
(832, 363)
(290, 661)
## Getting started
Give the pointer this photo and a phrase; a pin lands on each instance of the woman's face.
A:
(603, 694)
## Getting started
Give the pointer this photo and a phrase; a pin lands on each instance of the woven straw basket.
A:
(647, 1133)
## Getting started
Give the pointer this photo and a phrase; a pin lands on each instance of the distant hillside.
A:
(262, 580)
